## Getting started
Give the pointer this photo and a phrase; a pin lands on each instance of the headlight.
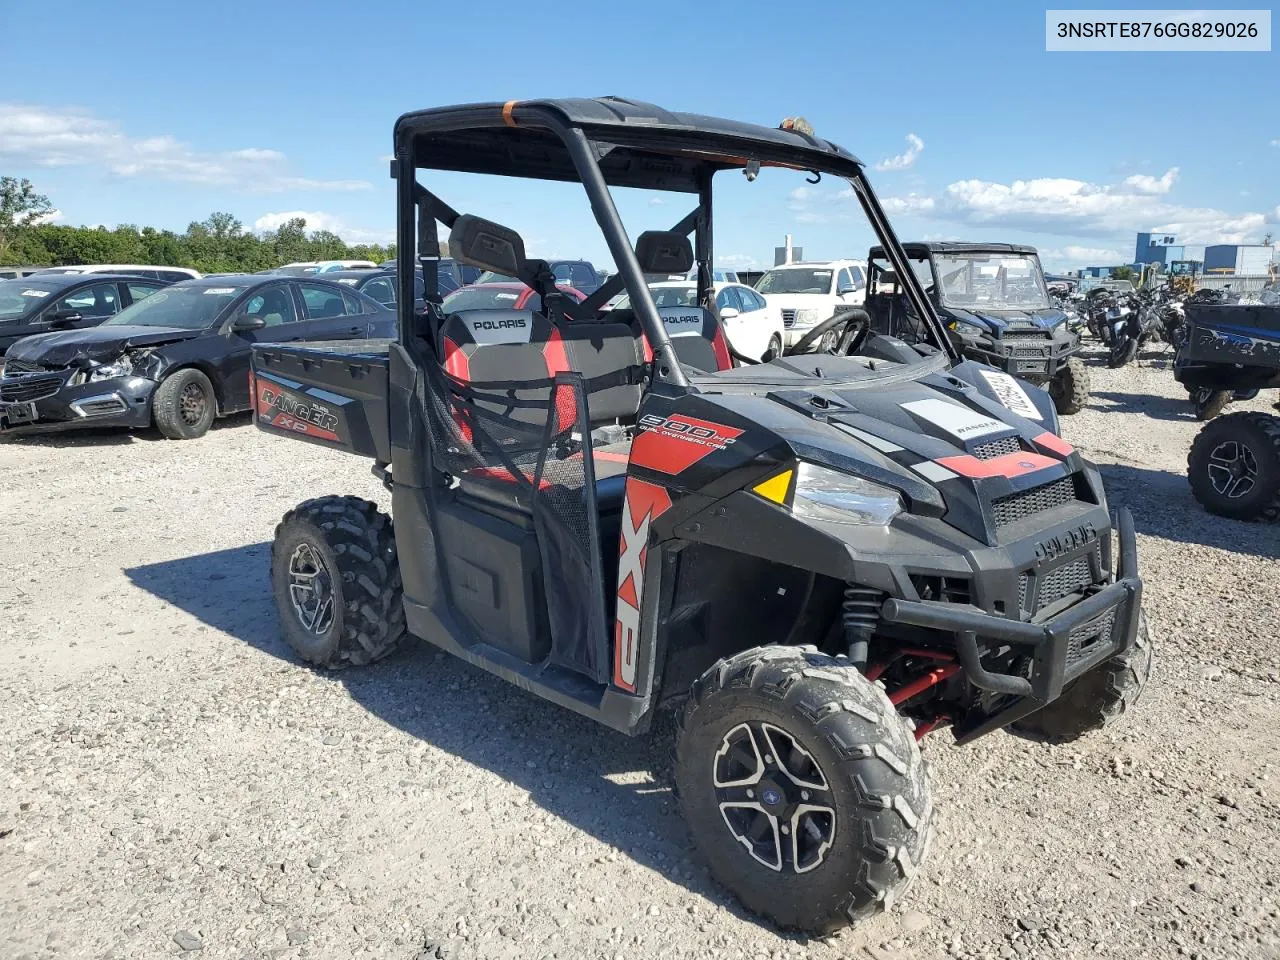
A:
(808, 317)
(823, 494)
(120, 367)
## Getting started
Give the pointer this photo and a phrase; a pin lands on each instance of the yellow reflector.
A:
(775, 488)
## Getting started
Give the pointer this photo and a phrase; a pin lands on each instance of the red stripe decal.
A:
(1051, 441)
(456, 363)
(673, 444)
(1010, 465)
(644, 503)
(721, 347)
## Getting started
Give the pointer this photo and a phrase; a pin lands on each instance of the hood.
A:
(951, 443)
(67, 348)
(994, 321)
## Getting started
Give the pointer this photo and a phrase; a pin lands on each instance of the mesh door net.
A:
(533, 438)
(566, 520)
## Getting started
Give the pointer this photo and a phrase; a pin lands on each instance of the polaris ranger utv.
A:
(820, 557)
(993, 299)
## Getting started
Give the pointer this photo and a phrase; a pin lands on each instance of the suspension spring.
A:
(860, 611)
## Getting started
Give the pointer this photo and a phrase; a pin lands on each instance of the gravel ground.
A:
(173, 781)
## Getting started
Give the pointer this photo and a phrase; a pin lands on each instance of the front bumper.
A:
(34, 403)
(1062, 647)
(1029, 357)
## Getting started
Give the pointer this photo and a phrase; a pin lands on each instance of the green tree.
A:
(1121, 273)
(20, 208)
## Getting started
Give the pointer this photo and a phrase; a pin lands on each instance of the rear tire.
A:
(1234, 466)
(1095, 700)
(1070, 389)
(336, 580)
(1210, 403)
(184, 405)
(1121, 353)
(830, 835)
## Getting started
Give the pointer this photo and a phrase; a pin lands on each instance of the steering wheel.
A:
(850, 340)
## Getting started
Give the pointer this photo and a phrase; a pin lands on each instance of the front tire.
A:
(184, 405)
(1069, 389)
(802, 788)
(1095, 700)
(775, 349)
(1122, 352)
(1234, 466)
(336, 581)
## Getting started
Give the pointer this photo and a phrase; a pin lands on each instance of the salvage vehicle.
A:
(177, 359)
(811, 291)
(993, 299)
(1232, 351)
(821, 557)
(65, 301)
(579, 274)
(752, 326)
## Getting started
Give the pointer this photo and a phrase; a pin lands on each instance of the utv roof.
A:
(922, 248)
(641, 145)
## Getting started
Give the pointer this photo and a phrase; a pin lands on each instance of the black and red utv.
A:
(821, 557)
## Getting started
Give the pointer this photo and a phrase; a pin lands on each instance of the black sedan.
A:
(178, 359)
(43, 302)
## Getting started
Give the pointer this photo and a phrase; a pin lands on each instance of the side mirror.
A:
(728, 313)
(61, 317)
(245, 323)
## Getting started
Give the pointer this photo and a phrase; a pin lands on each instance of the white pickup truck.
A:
(808, 293)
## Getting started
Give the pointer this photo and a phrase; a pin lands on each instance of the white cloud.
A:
(1276, 142)
(657, 201)
(913, 204)
(53, 216)
(801, 194)
(62, 137)
(1075, 208)
(1141, 183)
(1073, 256)
(904, 159)
(319, 220)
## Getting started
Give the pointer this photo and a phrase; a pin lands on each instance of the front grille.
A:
(1084, 639)
(1064, 581)
(1019, 506)
(1026, 335)
(788, 318)
(22, 366)
(1035, 353)
(30, 387)
(998, 448)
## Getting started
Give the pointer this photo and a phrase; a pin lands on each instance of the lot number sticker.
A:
(1011, 394)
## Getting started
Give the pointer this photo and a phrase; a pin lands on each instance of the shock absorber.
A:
(860, 611)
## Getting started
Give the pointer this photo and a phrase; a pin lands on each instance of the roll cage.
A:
(602, 143)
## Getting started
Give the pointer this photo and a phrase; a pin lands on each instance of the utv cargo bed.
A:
(333, 393)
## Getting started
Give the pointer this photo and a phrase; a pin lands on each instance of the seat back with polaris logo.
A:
(697, 338)
(494, 347)
(487, 346)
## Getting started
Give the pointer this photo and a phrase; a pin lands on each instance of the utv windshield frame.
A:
(602, 143)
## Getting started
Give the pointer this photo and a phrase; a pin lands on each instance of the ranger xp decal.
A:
(286, 412)
(644, 503)
(1011, 394)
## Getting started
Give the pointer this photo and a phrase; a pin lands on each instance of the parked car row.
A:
(123, 352)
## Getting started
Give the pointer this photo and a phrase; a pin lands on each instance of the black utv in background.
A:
(818, 559)
(993, 299)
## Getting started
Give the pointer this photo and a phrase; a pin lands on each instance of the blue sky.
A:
(159, 113)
